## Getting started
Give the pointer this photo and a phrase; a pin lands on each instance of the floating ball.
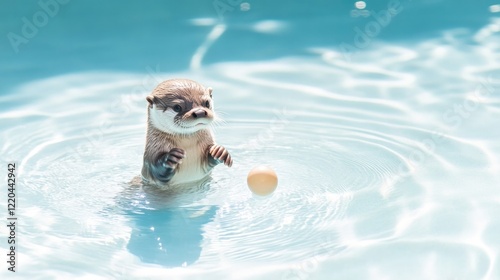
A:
(262, 180)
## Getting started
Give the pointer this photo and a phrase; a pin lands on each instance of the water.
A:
(387, 155)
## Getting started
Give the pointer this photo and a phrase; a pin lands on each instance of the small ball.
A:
(262, 180)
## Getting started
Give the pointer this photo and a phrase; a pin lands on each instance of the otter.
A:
(180, 146)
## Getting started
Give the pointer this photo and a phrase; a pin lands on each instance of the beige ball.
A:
(262, 180)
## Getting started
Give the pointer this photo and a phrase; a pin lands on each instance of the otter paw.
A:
(174, 158)
(220, 154)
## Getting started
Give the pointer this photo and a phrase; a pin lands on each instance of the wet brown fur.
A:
(165, 95)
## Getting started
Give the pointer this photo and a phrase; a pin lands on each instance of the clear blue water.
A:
(385, 139)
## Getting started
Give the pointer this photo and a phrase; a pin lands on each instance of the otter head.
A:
(180, 106)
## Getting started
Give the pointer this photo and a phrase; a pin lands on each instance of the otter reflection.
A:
(169, 237)
(163, 232)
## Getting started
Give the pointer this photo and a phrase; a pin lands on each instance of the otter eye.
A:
(207, 104)
(177, 108)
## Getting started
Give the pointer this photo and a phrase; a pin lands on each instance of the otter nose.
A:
(199, 113)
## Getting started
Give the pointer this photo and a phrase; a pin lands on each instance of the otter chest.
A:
(191, 168)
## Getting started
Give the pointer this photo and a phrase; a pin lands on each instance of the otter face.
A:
(180, 107)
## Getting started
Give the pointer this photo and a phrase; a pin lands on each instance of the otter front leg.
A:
(218, 154)
(164, 168)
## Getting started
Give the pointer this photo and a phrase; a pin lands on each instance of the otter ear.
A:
(210, 91)
(150, 99)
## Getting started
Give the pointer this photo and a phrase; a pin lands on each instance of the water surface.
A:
(388, 165)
